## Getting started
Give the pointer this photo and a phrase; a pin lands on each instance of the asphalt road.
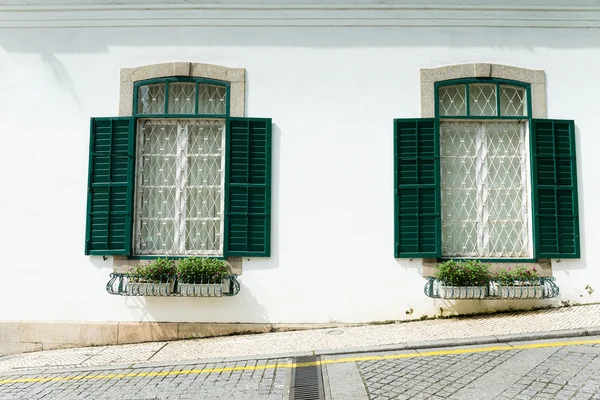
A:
(565, 369)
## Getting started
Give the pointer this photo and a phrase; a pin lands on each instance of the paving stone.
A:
(221, 385)
(561, 374)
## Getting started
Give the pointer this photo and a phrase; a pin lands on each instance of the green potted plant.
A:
(157, 278)
(463, 279)
(517, 283)
(202, 277)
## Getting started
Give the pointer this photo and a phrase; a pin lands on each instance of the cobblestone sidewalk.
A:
(547, 369)
(570, 372)
(287, 343)
(161, 383)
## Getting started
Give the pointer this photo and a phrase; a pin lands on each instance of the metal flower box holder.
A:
(126, 285)
(541, 288)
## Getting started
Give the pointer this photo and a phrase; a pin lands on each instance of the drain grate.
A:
(307, 382)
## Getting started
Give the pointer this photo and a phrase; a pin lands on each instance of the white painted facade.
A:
(332, 86)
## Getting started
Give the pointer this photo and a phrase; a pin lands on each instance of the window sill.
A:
(542, 265)
(122, 264)
(492, 260)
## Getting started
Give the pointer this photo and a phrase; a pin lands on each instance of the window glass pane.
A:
(513, 101)
(157, 172)
(484, 190)
(458, 168)
(482, 100)
(179, 187)
(151, 99)
(506, 201)
(452, 100)
(182, 98)
(205, 185)
(211, 99)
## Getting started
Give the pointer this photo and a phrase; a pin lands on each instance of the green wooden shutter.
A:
(417, 188)
(556, 226)
(248, 185)
(110, 186)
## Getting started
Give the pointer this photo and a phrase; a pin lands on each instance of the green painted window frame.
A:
(497, 82)
(439, 118)
(136, 116)
(182, 79)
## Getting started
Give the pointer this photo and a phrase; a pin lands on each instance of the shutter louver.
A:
(248, 183)
(556, 227)
(417, 189)
(110, 190)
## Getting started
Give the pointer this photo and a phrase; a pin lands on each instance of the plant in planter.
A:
(202, 277)
(463, 279)
(157, 278)
(517, 283)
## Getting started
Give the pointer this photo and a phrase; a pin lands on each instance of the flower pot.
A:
(150, 288)
(518, 291)
(462, 292)
(203, 289)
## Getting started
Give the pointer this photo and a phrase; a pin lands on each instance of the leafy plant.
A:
(463, 273)
(516, 275)
(201, 270)
(158, 270)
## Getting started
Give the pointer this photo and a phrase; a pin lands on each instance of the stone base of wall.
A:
(27, 336)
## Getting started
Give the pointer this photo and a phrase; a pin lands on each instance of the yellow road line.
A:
(306, 364)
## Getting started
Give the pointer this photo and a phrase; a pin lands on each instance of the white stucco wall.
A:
(332, 94)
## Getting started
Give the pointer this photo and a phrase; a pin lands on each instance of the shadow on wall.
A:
(176, 309)
(446, 308)
(271, 262)
(241, 308)
(567, 265)
(87, 40)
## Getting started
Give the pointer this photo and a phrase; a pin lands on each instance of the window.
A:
(180, 160)
(180, 177)
(482, 179)
(484, 170)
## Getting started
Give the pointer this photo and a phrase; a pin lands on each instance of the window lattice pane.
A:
(204, 186)
(484, 190)
(452, 100)
(459, 194)
(513, 101)
(506, 179)
(211, 99)
(179, 187)
(182, 98)
(482, 100)
(151, 99)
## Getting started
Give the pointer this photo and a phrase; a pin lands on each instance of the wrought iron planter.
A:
(125, 285)
(463, 292)
(542, 288)
(150, 288)
(517, 291)
(200, 289)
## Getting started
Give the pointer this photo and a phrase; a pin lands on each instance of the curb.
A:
(427, 344)
(458, 342)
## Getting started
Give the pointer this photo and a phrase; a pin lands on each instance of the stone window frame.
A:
(236, 77)
(537, 80)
